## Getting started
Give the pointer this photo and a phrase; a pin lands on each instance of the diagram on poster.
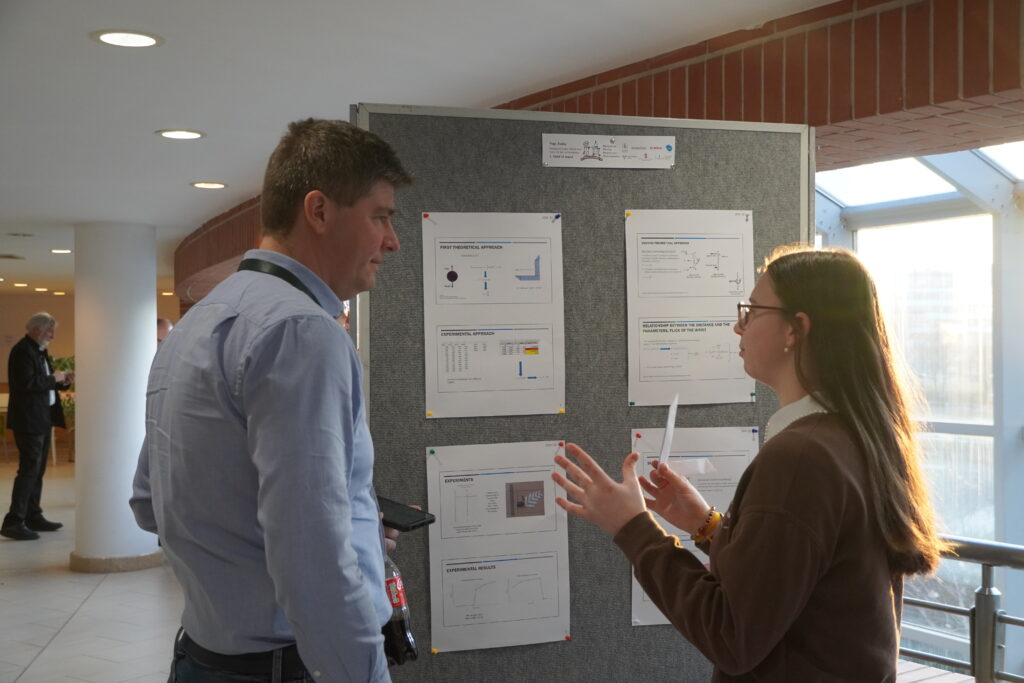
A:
(498, 271)
(499, 550)
(491, 590)
(493, 314)
(685, 271)
(688, 350)
(489, 503)
(713, 459)
(690, 265)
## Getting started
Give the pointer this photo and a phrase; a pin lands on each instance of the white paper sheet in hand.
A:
(693, 466)
(670, 430)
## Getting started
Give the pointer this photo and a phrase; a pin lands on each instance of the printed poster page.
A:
(603, 151)
(493, 314)
(499, 550)
(685, 272)
(713, 459)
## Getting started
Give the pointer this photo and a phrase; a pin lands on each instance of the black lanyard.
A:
(261, 266)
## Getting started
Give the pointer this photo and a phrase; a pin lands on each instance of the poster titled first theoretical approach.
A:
(493, 314)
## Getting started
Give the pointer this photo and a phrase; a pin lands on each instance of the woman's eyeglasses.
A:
(745, 308)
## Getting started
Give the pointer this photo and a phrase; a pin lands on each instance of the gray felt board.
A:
(490, 161)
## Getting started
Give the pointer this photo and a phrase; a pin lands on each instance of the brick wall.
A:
(217, 240)
(879, 79)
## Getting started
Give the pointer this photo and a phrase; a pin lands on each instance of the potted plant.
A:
(67, 402)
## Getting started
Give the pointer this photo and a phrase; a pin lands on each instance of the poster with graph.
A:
(499, 565)
(493, 314)
(685, 272)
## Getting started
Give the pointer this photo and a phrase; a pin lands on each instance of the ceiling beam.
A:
(975, 177)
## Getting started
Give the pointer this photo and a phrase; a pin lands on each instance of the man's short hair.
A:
(339, 159)
(40, 321)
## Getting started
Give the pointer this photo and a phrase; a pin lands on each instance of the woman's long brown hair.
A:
(845, 360)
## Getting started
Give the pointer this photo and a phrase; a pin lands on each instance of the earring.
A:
(785, 349)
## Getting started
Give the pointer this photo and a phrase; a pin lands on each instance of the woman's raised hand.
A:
(599, 498)
(675, 498)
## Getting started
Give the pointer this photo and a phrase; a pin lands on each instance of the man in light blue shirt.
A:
(257, 467)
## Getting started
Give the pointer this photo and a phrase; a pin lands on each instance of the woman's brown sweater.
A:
(799, 588)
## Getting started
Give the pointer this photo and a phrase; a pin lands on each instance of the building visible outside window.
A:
(934, 284)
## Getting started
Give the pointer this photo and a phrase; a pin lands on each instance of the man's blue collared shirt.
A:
(257, 474)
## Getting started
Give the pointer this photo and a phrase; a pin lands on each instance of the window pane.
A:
(959, 473)
(934, 284)
(1010, 157)
(881, 182)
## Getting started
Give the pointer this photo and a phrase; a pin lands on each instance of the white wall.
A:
(168, 307)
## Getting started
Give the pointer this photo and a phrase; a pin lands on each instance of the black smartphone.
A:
(402, 517)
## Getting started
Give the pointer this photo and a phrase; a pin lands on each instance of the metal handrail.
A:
(988, 621)
(985, 552)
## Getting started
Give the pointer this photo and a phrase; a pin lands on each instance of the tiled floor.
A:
(61, 626)
(58, 625)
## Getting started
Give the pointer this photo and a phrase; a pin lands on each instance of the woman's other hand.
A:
(599, 498)
(674, 498)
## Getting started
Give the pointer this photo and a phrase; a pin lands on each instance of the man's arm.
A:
(297, 396)
(141, 501)
(25, 375)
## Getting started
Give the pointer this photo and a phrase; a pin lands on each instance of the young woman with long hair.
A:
(806, 575)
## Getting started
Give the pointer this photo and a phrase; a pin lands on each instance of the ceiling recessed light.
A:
(59, 293)
(21, 284)
(122, 38)
(41, 289)
(202, 185)
(60, 251)
(181, 134)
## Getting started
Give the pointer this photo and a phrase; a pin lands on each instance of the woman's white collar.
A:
(787, 415)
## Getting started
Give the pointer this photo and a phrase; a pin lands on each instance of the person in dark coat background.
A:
(34, 409)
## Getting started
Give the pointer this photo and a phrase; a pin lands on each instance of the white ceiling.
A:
(77, 118)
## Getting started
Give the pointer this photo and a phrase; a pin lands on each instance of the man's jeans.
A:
(28, 484)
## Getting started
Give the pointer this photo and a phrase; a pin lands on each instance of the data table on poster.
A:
(494, 359)
(493, 314)
(499, 550)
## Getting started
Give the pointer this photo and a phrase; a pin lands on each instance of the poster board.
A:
(492, 161)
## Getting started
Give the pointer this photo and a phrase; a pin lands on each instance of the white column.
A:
(1008, 362)
(115, 340)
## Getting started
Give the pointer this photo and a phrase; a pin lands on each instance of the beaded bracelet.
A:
(707, 530)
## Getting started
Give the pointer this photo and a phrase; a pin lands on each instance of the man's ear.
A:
(315, 210)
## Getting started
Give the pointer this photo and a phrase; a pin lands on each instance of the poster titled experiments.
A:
(499, 562)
